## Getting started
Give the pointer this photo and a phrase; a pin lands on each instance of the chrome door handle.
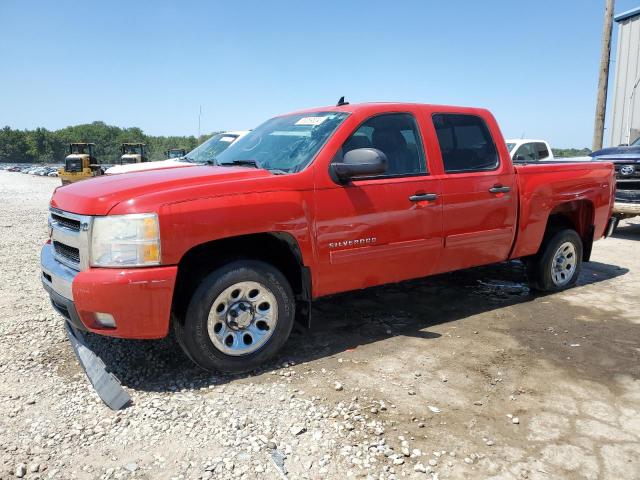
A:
(499, 189)
(423, 197)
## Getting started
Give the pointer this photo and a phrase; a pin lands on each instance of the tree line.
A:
(570, 152)
(46, 146)
(51, 146)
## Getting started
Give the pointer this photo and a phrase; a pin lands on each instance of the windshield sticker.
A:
(290, 133)
(312, 121)
(227, 139)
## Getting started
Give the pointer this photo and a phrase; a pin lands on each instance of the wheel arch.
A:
(577, 215)
(279, 249)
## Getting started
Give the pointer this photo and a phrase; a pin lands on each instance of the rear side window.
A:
(525, 153)
(465, 143)
(542, 150)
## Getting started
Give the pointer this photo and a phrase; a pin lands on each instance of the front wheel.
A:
(557, 265)
(238, 318)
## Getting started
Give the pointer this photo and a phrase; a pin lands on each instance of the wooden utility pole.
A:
(603, 80)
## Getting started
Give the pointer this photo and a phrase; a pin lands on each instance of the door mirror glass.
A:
(361, 162)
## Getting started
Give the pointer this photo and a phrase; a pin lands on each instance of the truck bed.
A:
(542, 185)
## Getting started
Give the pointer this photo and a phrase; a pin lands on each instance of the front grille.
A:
(628, 196)
(69, 223)
(69, 253)
(70, 236)
(73, 165)
(627, 171)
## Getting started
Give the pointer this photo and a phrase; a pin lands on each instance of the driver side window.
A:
(397, 136)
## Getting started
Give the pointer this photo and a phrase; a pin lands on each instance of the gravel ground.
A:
(465, 375)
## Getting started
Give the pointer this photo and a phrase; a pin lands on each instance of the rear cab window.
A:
(542, 151)
(465, 143)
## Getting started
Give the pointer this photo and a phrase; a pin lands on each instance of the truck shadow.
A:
(627, 231)
(344, 322)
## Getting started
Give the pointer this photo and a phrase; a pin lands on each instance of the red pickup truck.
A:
(310, 204)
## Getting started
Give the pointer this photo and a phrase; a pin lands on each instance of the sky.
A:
(153, 64)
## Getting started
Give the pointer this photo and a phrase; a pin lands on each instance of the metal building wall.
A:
(626, 110)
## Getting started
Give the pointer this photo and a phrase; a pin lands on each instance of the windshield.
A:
(286, 144)
(510, 146)
(132, 150)
(209, 150)
(79, 149)
(636, 142)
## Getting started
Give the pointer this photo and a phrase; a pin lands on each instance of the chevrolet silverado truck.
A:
(309, 204)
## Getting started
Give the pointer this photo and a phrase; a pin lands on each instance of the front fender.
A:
(186, 224)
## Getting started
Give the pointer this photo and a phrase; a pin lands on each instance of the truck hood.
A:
(617, 153)
(140, 167)
(97, 196)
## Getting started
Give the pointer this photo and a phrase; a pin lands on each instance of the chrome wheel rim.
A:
(242, 318)
(564, 264)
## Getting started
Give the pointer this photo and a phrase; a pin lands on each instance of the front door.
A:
(385, 228)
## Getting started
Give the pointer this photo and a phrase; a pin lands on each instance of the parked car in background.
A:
(207, 152)
(310, 204)
(626, 161)
(528, 150)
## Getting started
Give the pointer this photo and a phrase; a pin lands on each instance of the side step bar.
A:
(106, 385)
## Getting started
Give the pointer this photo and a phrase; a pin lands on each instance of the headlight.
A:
(125, 240)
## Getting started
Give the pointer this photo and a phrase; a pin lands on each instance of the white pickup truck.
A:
(201, 154)
(529, 150)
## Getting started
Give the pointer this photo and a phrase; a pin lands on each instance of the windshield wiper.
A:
(248, 163)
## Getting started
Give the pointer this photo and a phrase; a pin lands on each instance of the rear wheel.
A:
(238, 318)
(558, 264)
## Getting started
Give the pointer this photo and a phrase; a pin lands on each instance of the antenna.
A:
(199, 116)
(341, 102)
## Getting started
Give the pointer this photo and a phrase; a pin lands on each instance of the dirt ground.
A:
(466, 375)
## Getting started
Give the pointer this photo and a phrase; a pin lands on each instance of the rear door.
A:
(384, 228)
(479, 194)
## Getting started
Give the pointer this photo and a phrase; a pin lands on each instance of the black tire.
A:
(540, 266)
(192, 333)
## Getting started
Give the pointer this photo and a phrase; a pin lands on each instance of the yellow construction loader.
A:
(79, 164)
(133, 153)
(175, 153)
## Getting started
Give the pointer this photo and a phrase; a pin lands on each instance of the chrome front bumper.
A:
(55, 275)
(57, 280)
